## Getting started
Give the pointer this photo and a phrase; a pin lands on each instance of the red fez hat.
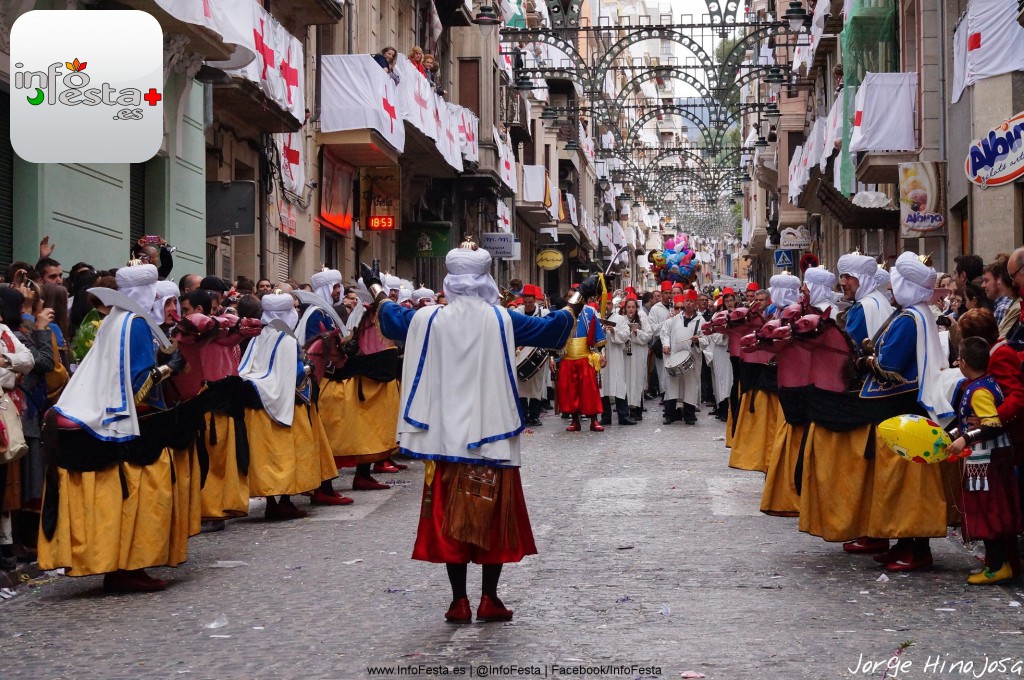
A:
(630, 294)
(532, 290)
(575, 286)
(679, 299)
(631, 290)
(728, 291)
(753, 286)
(691, 294)
(666, 286)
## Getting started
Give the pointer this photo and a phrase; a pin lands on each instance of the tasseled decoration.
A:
(977, 476)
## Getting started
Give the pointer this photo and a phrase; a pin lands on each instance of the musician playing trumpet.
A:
(680, 336)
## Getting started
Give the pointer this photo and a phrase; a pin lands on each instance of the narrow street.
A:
(652, 553)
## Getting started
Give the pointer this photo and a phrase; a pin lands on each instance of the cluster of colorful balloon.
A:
(676, 263)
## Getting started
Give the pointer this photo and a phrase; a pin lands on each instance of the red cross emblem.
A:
(264, 50)
(206, 9)
(389, 109)
(152, 96)
(290, 74)
(857, 118)
(451, 138)
(291, 155)
(419, 99)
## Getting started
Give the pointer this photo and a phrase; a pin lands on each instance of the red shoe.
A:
(459, 612)
(400, 466)
(323, 498)
(492, 609)
(866, 546)
(596, 426)
(137, 581)
(895, 553)
(283, 510)
(367, 483)
(574, 426)
(910, 563)
(384, 466)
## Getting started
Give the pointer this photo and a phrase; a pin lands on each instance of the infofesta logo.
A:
(86, 86)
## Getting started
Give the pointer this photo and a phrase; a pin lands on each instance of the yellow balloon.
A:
(915, 438)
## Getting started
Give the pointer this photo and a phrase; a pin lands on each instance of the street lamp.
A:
(795, 15)
(775, 79)
(772, 113)
(487, 19)
(603, 183)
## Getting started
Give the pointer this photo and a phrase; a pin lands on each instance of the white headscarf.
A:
(424, 296)
(165, 290)
(138, 283)
(279, 306)
(881, 279)
(324, 283)
(862, 268)
(404, 295)
(820, 284)
(785, 290)
(391, 282)
(469, 274)
(912, 281)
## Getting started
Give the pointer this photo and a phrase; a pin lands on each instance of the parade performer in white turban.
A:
(288, 449)
(907, 500)
(460, 413)
(839, 458)
(110, 495)
(820, 284)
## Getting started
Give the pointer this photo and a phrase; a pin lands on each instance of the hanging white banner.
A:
(357, 95)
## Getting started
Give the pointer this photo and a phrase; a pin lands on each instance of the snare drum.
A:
(529, 360)
(679, 362)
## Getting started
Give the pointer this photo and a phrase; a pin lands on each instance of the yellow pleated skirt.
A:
(837, 484)
(100, 530)
(755, 432)
(908, 499)
(186, 513)
(284, 461)
(360, 430)
(780, 497)
(226, 490)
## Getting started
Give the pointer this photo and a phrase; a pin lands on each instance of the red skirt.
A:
(433, 545)
(577, 388)
(995, 513)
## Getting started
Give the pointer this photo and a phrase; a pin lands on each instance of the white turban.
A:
(862, 268)
(469, 275)
(820, 283)
(881, 279)
(404, 295)
(391, 282)
(324, 283)
(139, 284)
(165, 290)
(279, 306)
(912, 281)
(785, 290)
(422, 295)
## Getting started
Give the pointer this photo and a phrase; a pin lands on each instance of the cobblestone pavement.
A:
(652, 553)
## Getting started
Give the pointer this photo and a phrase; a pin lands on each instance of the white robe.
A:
(535, 387)
(677, 336)
(876, 310)
(270, 364)
(721, 366)
(458, 392)
(658, 315)
(627, 370)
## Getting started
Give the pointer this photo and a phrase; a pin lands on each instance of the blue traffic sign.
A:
(784, 259)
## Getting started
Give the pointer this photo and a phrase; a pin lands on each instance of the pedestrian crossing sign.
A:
(783, 259)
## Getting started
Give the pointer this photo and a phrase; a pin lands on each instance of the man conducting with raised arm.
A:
(460, 413)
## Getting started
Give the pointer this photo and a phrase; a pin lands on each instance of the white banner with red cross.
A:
(988, 42)
(506, 161)
(293, 171)
(885, 109)
(357, 94)
(504, 217)
(469, 131)
(447, 133)
(416, 98)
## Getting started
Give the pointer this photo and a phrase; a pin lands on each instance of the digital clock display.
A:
(381, 222)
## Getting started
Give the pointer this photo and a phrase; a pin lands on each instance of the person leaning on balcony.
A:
(433, 73)
(386, 58)
(416, 57)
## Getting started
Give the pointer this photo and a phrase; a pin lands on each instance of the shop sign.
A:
(380, 193)
(424, 239)
(500, 245)
(922, 200)
(549, 259)
(795, 238)
(998, 157)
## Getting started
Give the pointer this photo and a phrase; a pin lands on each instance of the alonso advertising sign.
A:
(998, 157)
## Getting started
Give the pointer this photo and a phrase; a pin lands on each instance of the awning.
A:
(853, 216)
